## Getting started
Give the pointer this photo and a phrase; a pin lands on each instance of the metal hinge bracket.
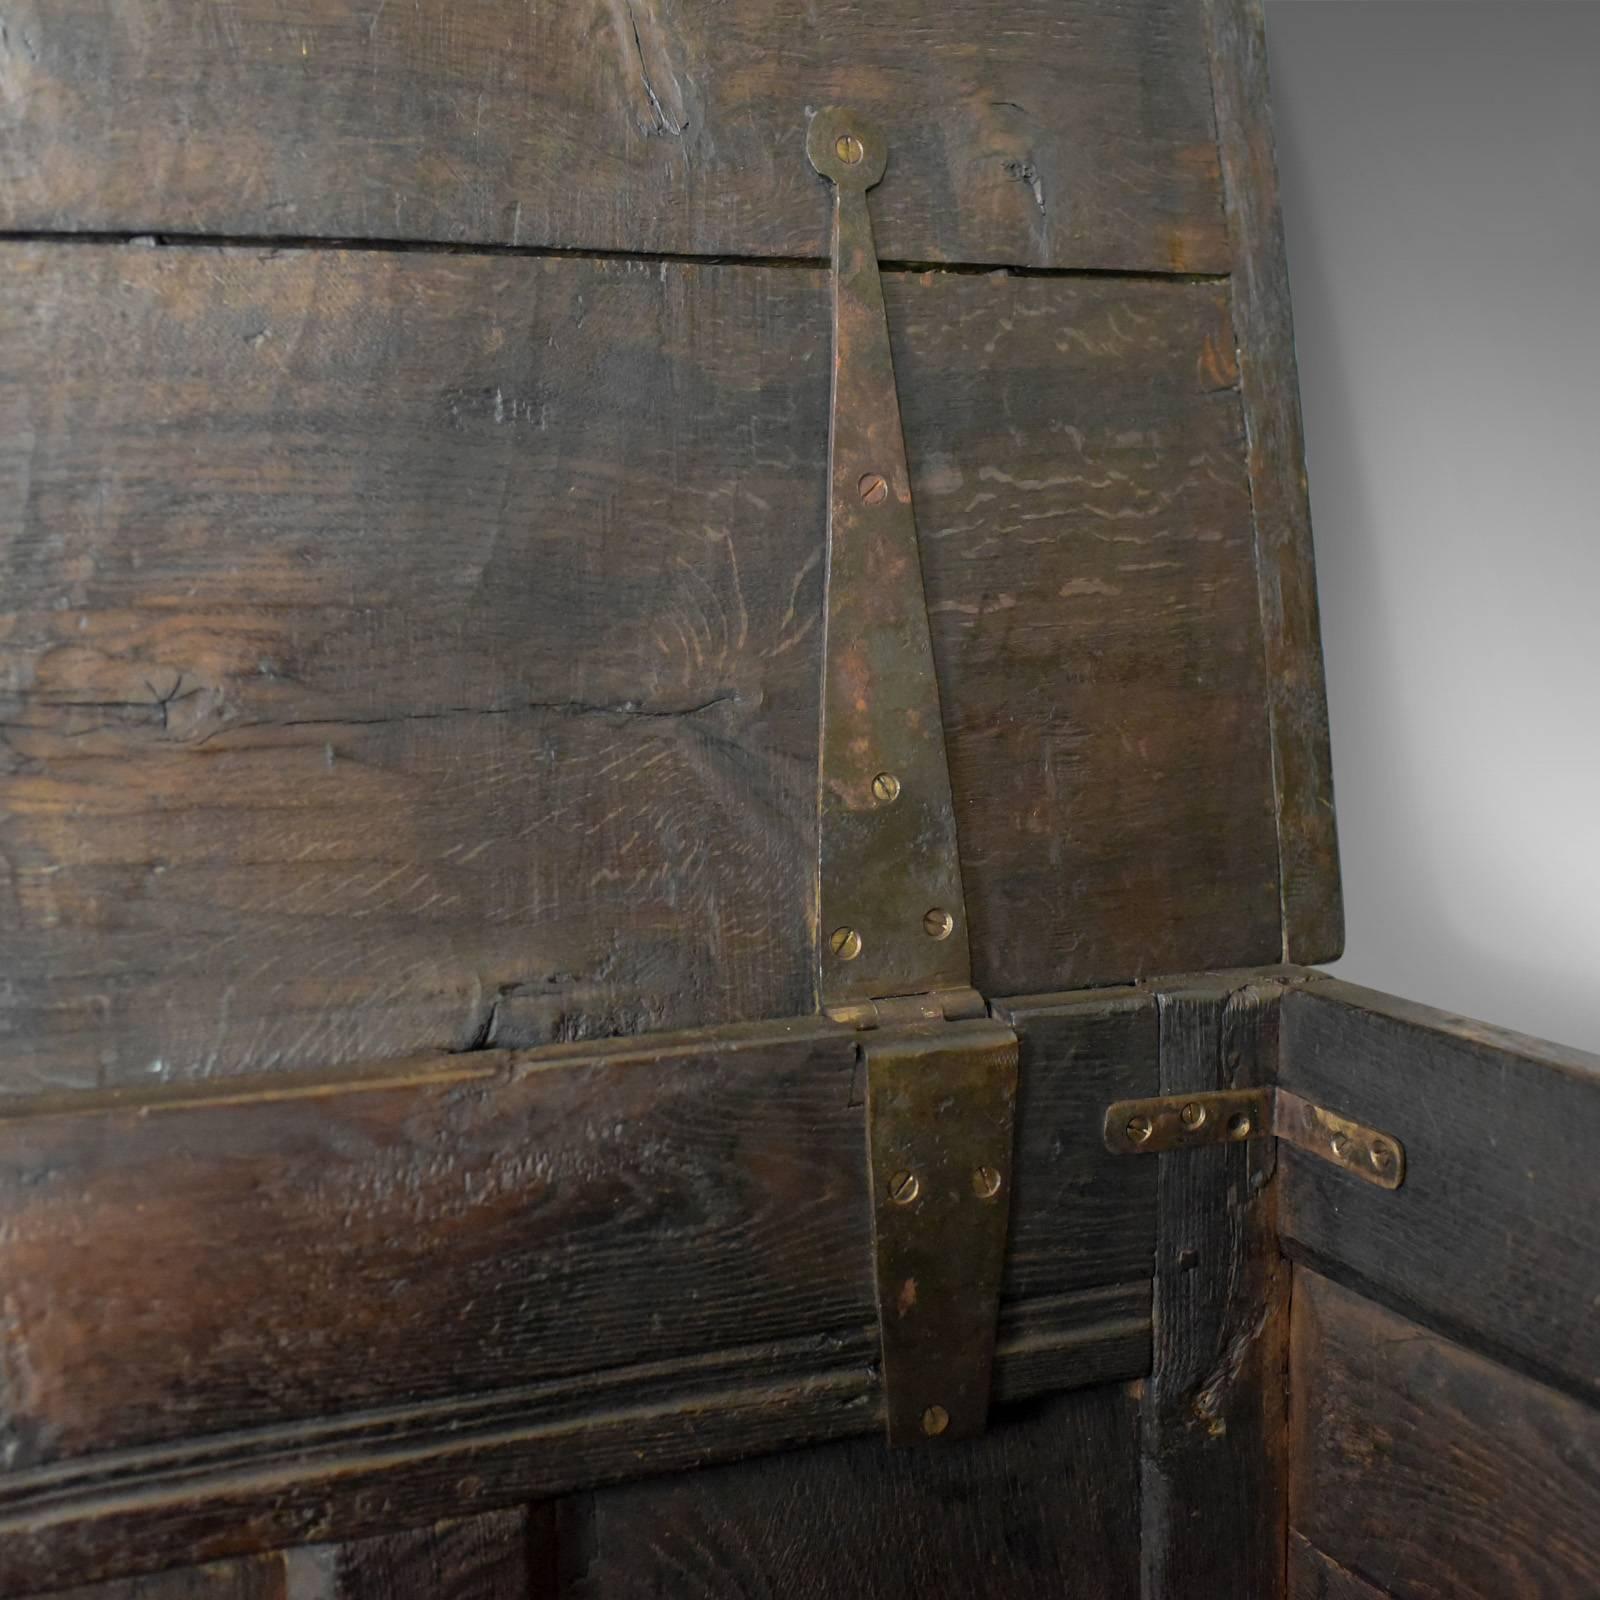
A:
(1230, 1116)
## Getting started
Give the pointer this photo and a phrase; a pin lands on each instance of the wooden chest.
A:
(665, 804)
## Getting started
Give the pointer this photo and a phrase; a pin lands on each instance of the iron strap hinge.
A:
(891, 936)
(1231, 1116)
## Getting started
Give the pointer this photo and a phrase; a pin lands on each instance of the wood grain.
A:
(407, 652)
(1046, 1503)
(1060, 133)
(489, 1557)
(1296, 694)
(1315, 1576)
(1430, 1471)
(240, 1315)
(1212, 1417)
(1494, 1235)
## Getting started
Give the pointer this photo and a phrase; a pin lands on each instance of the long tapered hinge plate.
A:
(1230, 1116)
(941, 1101)
(892, 916)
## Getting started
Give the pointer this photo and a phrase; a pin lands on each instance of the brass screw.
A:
(985, 1183)
(1381, 1157)
(849, 149)
(1139, 1129)
(1339, 1144)
(1193, 1116)
(886, 787)
(904, 1187)
(934, 1421)
(874, 488)
(846, 943)
(938, 923)
(1239, 1125)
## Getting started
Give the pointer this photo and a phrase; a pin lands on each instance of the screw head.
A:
(937, 923)
(874, 488)
(849, 149)
(985, 1182)
(886, 788)
(1139, 1129)
(1239, 1125)
(1193, 1115)
(904, 1187)
(934, 1421)
(845, 943)
(1381, 1157)
(1340, 1145)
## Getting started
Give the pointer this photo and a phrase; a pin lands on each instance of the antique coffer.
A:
(666, 815)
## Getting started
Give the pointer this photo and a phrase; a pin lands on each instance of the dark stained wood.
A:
(1493, 1236)
(1213, 1411)
(1046, 1503)
(1315, 1576)
(1062, 133)
(254, 1578)
(408, 652)
(1431, 1472)
(1296, 696)
(277, 1312)
(487, 1557)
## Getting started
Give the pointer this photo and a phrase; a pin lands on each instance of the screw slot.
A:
(1139, 1129)
(845, 943)
(849, 149)
(938, 923)
(1340, 1145)
(1239, 1126)
(886, 788)
(1381, 1157)
(934, 1421)
(874, 488)
(986, 1183)
(904, 1187)
(1193, 1116)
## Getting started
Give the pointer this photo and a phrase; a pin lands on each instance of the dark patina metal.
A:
(893, 920)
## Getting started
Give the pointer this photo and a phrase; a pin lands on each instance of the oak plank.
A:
(1295, 691)
(409, 651)
(253, 1578)
(1060, 133)
(1493, 1236)
(1431, 1471)
(488, 1557)
(1315, 1576)
(1212, 1412)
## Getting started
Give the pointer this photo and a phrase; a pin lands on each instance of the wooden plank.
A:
(488, 1557)
(1315, 1576)
(1045, 1503)
(1490, 1238)
(1212, 1416)
(253, 1578)
(1058, 133)
(1430, 1471)
(250, 1315)
(1297, 700)
(408, 651)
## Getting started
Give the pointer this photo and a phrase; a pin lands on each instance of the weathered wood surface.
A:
(1212, 1422)
(245, 1315)
(1046, 1503)
(1296, 695)
(1494, 1235)
(1315, 1576)
(1431, 1472)
(1060, 133)
(407, 651)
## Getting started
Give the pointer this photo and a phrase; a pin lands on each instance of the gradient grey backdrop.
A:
(1441, 192)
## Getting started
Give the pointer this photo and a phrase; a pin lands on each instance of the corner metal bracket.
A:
(892, 916)
(941, 1101)
(1229, 1116)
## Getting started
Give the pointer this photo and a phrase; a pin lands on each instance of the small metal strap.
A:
(941, 1100)
(893, 920)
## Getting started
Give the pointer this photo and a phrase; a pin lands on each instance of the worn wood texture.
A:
(284, 1311)
(1431, 1472)
(408, 652)
(1213, 1414)
(1315, 1576)
(1492, 1237)
(1296, 695)
(1046, 1503)
(1060, 133)
(251, 1578)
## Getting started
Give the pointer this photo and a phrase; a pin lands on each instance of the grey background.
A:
(1440, 166)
